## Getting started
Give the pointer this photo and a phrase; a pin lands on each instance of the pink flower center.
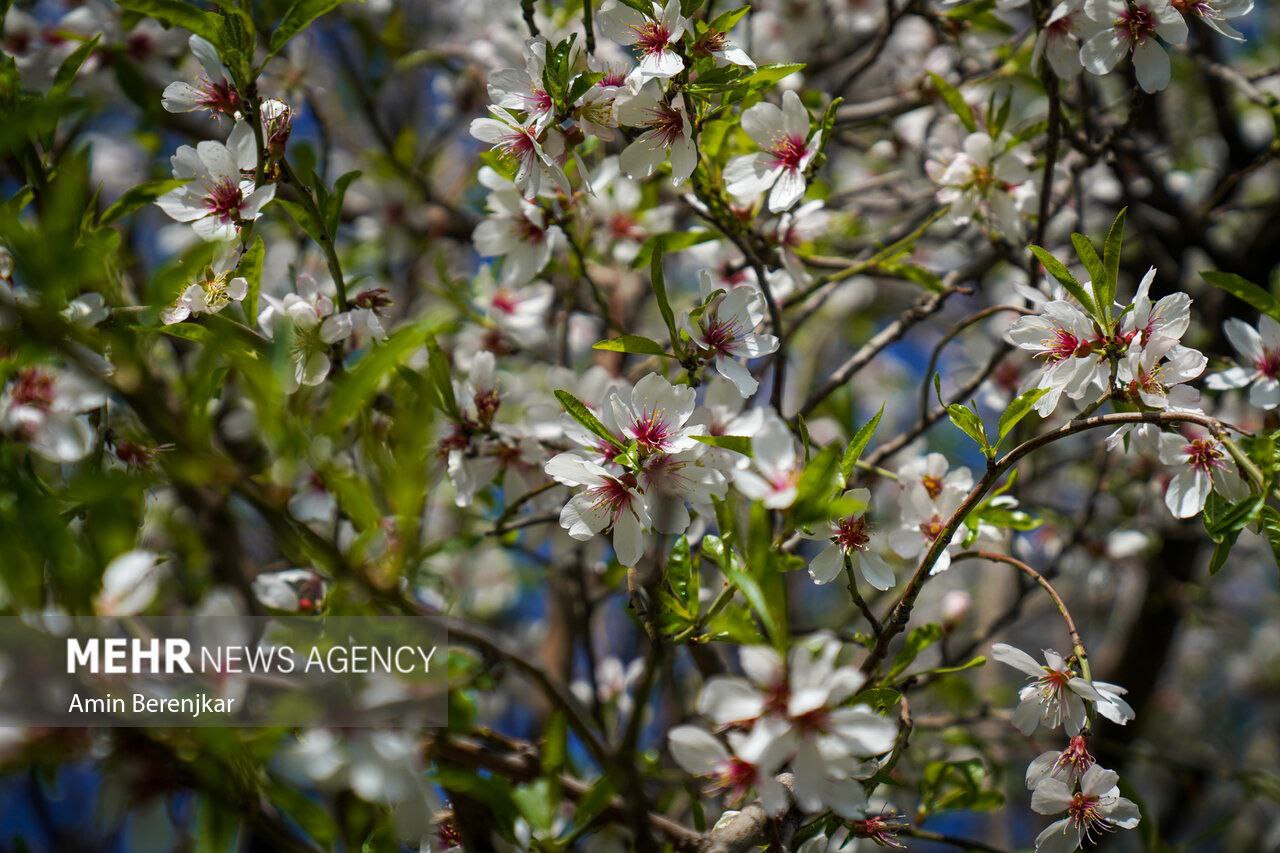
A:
(1269, 364)
(1075, 757)
(540, 102)
(612, 495)
(852, 534)
(224, 201)
(220, 97)
(518, 145)
(1061, 346)
(652, 38)
(613, 79)
(505, 302)
(17, 44)
(789, 152)
(713, 42)
(1137, 22)
(735, 776)
(530, 232)
(932, 485)
(33, 388)
(651, 430)
(1204, 454)
(623, 227)
(667, 123)
(721, 335)
(1086, 813)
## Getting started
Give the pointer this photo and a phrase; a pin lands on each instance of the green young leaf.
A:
(767, 75)
(1097, 272)
(730, 564)
(635, 344)
(176, 13)
(580, 413)
(664, 304)
(668, 242)
(736, 443)
(682, 576)
(250, 267)
(1012, 519)
(1244, 290)
(296, 19)
(332, 209)
(972, 663)
(917, 641)
(970, 424)
(302, 217)
(1111, 261)
(1058, 270)
(70, 67)
(442, 381)
(137, 197)
(1022, 405)
(353, 390)
(1269, 521)
(955, 101)
(726, 21)
(858, 444)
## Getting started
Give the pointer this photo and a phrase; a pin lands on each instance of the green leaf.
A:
(972, 663)
(536, 803)
(555, 744)
(250, 267)
(970, 424)
(332, 209)
(1022, 405)
(635, 344)
(137, 197)
(858, 444)
(1093, 264)
(664, 304)
(767, 75)
(580, 413)
(736, 443)
(726, 21)
(668, 242)
(1058, 270)
(353, 390)
(1269, 520)
(297, 19)
(917, 641)
(715, 549)
(1013, 519)
(955, 101)
(176, 13)
(70, 67)
(1111, 263)
(682, 576)
(442, 381)
(1245, 290)
(302, 217)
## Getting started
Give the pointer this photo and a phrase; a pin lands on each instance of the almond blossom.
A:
(218, 197)
(1095, 808)
(1259, 351)
(515, 230)
(851, 538)
(533, 151)
(1065, 337)
(212, 291)
(1132, 28)
(775, 466)
(655, 414)
(522, 89)
(702, 754)
(985, 182)
(666, 134)
(607, 502)
(1203, 465)
(213, 92)
(43, 407)
(1059, 39)
(1066, 766)
(803, 702)
(654, 37)
(787, 151)
(316, 328)
(725, 330)
(1216, 13)
(1057, 694)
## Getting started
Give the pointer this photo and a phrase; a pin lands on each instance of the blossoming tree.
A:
(730, 383)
